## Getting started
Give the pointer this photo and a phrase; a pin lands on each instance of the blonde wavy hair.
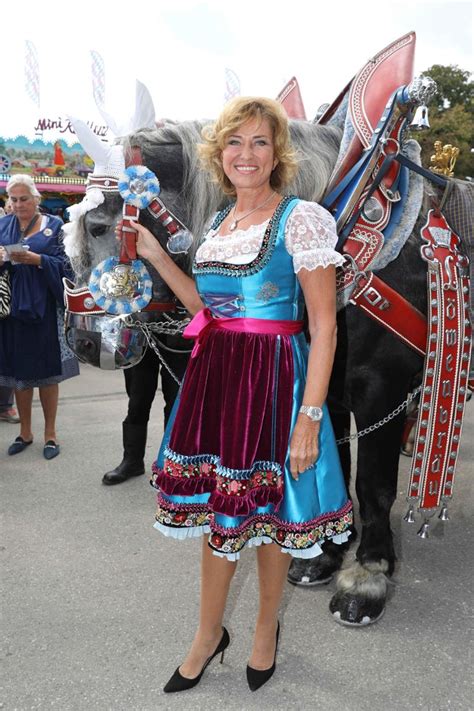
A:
(235, 113)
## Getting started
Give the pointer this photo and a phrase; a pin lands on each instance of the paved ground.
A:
(98, 607)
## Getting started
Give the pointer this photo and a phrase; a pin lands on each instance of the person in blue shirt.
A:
(33, 351)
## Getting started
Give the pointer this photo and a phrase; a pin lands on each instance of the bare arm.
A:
(319, 289)
(180, 283)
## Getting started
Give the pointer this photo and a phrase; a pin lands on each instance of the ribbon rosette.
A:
(121, 288)
(138, 186)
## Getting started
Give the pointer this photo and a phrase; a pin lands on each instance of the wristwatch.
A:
(314, 413)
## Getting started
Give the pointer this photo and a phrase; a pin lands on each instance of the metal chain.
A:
(383, 422)
(144, 328)
(170, 327)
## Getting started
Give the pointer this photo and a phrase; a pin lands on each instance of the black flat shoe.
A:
(51, 449)
(18, 446)
(178, 682)
(258, 677)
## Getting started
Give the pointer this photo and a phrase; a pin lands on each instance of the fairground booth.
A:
(51, 155)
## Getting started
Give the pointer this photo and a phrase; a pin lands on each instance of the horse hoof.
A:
(356, 611)
(308, 573)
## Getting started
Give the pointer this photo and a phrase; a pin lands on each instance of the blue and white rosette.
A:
(138, 186)
(101, 285)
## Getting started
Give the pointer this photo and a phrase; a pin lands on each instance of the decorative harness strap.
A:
(446, 372)
(389, 309)
(79, 301)
(363, 203)
(180, 239)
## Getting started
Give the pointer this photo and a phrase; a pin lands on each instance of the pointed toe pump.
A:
(178, 682)
(258, 677)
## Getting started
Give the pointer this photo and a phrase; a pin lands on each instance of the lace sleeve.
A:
(310, 237)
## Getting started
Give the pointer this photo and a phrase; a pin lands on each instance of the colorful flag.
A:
(98, 78)
(232, 85)
(32, 85)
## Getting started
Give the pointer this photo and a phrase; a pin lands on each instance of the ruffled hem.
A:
(301, 540)
(311, 260)
(198, 531)
(182, 533)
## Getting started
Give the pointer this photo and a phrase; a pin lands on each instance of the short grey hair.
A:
(27, 181)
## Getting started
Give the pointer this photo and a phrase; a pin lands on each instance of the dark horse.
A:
(373, 371)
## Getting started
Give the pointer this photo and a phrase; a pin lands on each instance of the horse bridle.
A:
(157, 208)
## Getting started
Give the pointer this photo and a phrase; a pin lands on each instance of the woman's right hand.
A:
(3, 254)
(178, 281)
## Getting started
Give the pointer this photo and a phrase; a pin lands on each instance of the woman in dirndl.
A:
(249, 456)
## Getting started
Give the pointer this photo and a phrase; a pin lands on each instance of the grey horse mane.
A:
(203, 196)
(317, 149)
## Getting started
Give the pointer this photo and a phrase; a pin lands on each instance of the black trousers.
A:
(141, 382)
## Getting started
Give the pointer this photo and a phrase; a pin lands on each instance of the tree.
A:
(453, 87)
(451, 116)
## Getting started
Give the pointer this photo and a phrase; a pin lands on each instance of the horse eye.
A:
(98, 230)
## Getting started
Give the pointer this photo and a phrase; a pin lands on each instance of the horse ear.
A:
(91, 143)
(144, 116)
(108, 160)
(110, 121)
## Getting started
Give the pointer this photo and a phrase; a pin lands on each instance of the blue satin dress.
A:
(313, 509)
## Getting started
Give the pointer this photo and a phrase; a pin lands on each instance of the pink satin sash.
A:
(204, 321)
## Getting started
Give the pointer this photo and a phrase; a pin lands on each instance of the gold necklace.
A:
(235, 222)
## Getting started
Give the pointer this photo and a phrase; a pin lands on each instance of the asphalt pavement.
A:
(98, 607)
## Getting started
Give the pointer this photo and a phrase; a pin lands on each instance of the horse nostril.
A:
(98, 230)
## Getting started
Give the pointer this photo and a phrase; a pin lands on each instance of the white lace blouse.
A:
(310, 238)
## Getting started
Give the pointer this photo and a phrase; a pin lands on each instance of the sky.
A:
(180, 49)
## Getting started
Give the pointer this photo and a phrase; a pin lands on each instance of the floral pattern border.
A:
(224, 540)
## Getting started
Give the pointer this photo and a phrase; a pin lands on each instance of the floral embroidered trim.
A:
(232, 540)
(264, 254)
(230, 495)
(215, 459)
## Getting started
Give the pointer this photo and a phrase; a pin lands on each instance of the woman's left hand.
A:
(303, 446)
(25, 256)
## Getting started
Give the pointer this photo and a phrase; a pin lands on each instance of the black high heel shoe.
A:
(258, 677)
(178, 682)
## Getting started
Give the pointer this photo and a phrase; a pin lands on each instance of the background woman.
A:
(238, 460)
(33, 352)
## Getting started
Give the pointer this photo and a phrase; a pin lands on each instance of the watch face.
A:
(314, 413)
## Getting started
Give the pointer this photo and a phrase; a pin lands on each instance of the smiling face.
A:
(24, 204)
(248, 156)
